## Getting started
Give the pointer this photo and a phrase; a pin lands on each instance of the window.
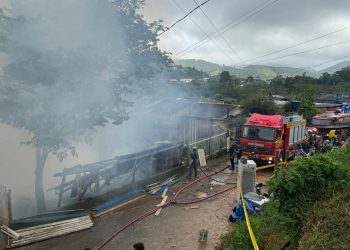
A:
(258, 133)
(278, 134)
(291, 136)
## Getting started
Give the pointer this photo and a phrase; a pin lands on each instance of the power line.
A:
(305, 51)
(204, 32)
(298, 44)
(189, 13)
(320, 64)
(333, 60)
(227, 27)
(199, 43)
(222, 36)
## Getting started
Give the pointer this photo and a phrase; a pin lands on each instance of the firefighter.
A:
(139, 246)
(300, 151)
(235, 151)
(194, 158)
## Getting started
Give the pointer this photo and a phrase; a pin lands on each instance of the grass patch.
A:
(273, 236)
(299, 191)
(327, 224)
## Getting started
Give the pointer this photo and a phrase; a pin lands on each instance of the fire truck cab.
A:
(267, 138)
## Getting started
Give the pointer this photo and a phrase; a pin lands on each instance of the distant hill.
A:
(257, 71)
(336, 67)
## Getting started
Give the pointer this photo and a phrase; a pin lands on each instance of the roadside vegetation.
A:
(225, 86)
(309, 207)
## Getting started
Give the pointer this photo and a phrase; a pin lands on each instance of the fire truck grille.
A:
(257, 149)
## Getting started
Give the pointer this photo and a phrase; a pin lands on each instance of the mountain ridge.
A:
(264, 72)
(335, 67)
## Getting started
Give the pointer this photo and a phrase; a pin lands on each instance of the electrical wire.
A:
(227, 27)
(231, 23)
(184, 17)
(204, 32)
(320, 64)
(297, 44)
(222, 36)
(305, 51)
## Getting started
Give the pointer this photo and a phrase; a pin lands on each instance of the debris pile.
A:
(30, 235)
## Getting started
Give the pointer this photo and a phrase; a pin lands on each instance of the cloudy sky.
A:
(282, 23)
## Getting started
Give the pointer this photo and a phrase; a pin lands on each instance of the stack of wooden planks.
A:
(30, 235)
(155, 187)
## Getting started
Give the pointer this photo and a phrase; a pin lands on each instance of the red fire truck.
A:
(266, 138)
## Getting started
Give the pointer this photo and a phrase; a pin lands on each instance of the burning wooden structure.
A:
(122, 170)
(183, 123)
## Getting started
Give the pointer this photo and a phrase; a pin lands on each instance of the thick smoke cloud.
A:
(82, 51)
(279, 25)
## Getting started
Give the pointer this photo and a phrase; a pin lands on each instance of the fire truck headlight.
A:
(269, 162)
(270, 158)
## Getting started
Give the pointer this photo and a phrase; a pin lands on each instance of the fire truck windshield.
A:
(258, 133)
(321, 122)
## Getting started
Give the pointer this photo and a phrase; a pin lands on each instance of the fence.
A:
(213, 144)
(4, 206)
(120, 172)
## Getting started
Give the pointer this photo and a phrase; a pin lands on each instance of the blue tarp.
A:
(168, 185)
(118, 199)
(238, 211)
(129, 194)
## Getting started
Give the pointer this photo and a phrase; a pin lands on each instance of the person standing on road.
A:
(235, 153)
(194, 159)
(139, 246)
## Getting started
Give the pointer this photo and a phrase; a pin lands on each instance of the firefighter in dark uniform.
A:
(194, 163)
(235, 151)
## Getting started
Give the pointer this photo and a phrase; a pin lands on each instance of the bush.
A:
(259, 103)
(310, 201)
(306, 180)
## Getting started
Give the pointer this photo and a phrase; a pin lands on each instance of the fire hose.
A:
(173, 201)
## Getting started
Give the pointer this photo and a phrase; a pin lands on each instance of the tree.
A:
(225, 78)
(68, 74)
(325, 78)
(307, 100)
(259, 103)
(250, 79)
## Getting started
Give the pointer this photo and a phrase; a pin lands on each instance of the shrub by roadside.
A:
(298, 191)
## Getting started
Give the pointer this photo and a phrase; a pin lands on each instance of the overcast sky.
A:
(284, 23)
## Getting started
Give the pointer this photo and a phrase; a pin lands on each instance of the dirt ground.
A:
(177, 227)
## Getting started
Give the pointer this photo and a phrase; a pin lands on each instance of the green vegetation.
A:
(259, 103)
(307, 100)
(309, 207)
(338, 82)
(330, 232)
(225, 77)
